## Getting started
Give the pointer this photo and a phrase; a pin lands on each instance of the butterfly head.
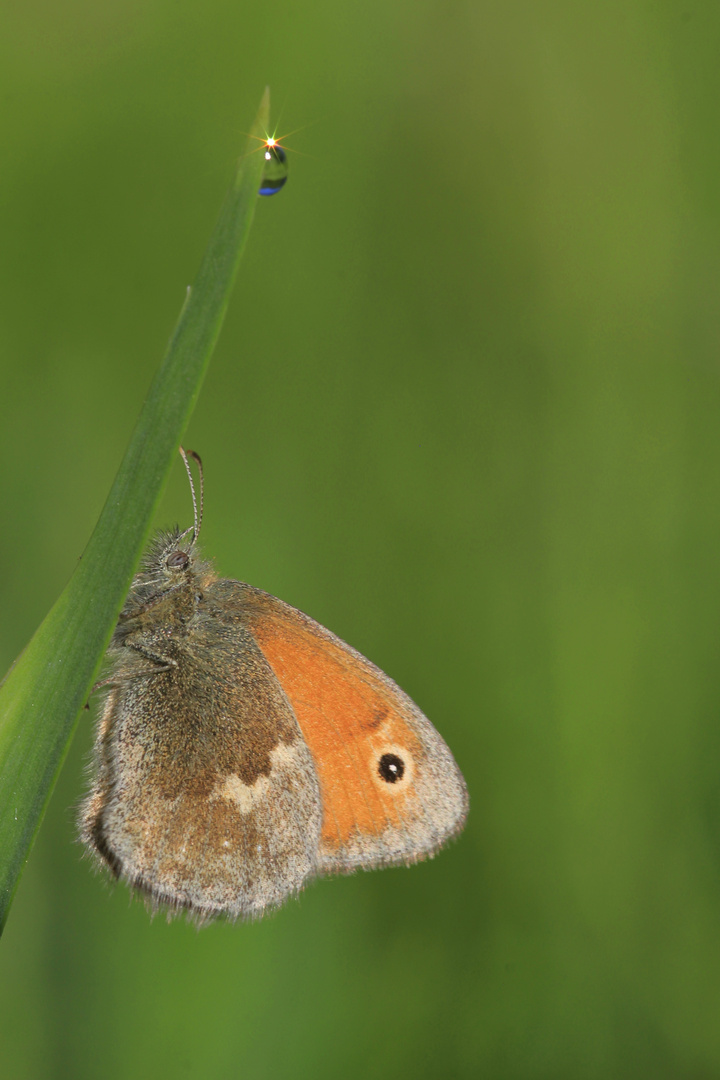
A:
(172, 565)
(171, 557)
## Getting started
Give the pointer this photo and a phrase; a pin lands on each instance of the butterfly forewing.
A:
(391, 791)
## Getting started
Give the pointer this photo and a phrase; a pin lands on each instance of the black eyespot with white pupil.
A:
(178, 560)
(391, 768)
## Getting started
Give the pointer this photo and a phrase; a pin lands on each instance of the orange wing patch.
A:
(349, 718)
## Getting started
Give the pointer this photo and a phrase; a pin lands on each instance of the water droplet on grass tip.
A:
(275, 172)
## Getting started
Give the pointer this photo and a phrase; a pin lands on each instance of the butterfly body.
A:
(243, 749)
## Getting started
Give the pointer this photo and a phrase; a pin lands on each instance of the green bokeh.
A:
(465, 411)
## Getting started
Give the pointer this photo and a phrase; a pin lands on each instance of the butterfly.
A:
(243, 749)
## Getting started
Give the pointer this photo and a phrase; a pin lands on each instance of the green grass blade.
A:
(42, 695)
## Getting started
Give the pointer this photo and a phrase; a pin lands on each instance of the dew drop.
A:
(275, 172)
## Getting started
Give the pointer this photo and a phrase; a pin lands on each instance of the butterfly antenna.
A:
(198, 461)
(197, 517)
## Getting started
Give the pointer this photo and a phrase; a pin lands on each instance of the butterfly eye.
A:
(178, 560)
(391, 768)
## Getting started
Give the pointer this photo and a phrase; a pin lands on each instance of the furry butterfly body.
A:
(243, 749)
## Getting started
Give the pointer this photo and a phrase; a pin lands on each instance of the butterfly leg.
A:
(164, 663)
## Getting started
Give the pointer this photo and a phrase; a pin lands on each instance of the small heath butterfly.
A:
(243, 749)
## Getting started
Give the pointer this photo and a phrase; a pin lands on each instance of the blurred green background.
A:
(465, 411)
